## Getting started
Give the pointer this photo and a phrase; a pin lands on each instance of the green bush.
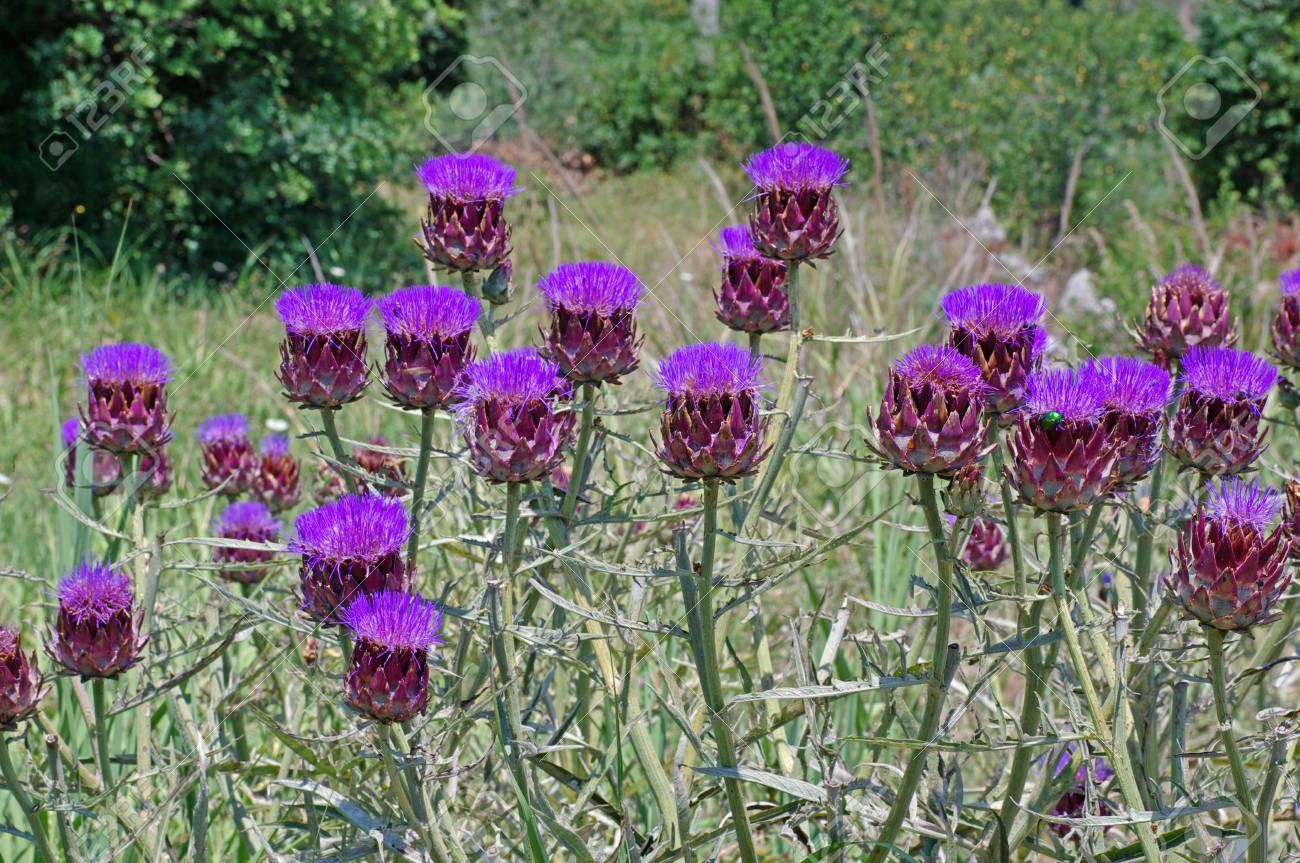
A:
(223, 123)
(1016, 85)
(1260, 157)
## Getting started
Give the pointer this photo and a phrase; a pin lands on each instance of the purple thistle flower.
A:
(591, 287)
(21, 685)
(1187, 308)
(127, 363)
(249, 521)
(96, 629)
(1238, 503)
(996, 326)
(467, 177)
(126, 409)
(70, 432)
(1137, 394)
(514, 416)
(277, 476)
(710, 368)
(1076, 395)
(395, 621)
(796, 166)
(1217, 428)
(466, 228)
(1228, 375)
(388, 672)
(711, 427)
(1285, 328)
(931, 417)
(428, 343)
(752, 298)
(795, 216)
(592, 334)
(1229, 568)
(993, 309)
(323, 355)
(1063, 455)
(228, 460)
(349, 547)
(323, 309)
(274, 445)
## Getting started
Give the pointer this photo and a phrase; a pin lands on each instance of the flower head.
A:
(735, 242)
(591, 287)
(1290, 283)
(394, 620)
(464, 177)
(127, 363)
(94, 591)
(21, 686)
(939, 367)
(70, 432)
(273, 445)
(247, 520)
(223, 428)
(512, 379)
(1135, 387)
(323, 309)
(796, 166)
(1074, 395)
(354, 527)
(428, 312)
(710, 368)
(1237, 503)
(1190, 277)
(1186, 308)
(1226, 374)
(993, 309)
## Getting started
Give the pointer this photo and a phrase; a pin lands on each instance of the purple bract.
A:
(323, 355)
(1217, 428)
(428, 343)
(997, 326)
(592, 334)
(349, 547)
(95, 632)
(795, 216)
(388, 673)
(126, 409)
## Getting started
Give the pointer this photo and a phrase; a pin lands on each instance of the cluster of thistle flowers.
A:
(1078, 436)
(514, 408)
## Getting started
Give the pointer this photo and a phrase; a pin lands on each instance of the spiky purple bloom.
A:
(1138, 393)
(323, 355)
(1062, 458)
(711, 426)
(997, 326)
(1187, 308)
(428, 343)
(21, 685)
(466, 228)
(388, 676)
(248, 521)
(126, 407)
(795, 216)
(95, 633)
(1230, 567)
(592, 333)
(105, 468)
(349, 547)
(1217, 428)
(1285, 329)
(277, 481)
(931, 417)
(228, 460)
(752, 297)
(513, 412)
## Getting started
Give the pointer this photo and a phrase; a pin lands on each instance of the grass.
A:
(239, 748)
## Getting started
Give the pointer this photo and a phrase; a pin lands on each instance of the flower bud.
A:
(1218, 427)
(752, 297)
(795, 216)
(1137, 395)
(21, 686)
(105, 468)
(592, 335)
(466, 229)
(126, 408)
(1285, 330)
(1187, 308)
(388, 672)
(227, 454)
(95, 632)
(428, 344)
(247, 521)
(350, 547)
(997, 327)
(277, 482)
(323, 355)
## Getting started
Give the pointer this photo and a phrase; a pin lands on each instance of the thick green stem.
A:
(1146, 544)
(101, 730)
(469, 282)
(1031, 713)
(1010, 514)
(432, 841)
(1117, 754)
(704, 639)
(755, 345)
(578, 474)
(1276, 766)
(943, 664)
(1223, 712)
(417, 490)
(43, 849)
(792, 293)
(336, 445)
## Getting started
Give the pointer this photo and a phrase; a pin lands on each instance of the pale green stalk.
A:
(30, 812)
(578, 475)
(417, 490)
(1223, 713)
